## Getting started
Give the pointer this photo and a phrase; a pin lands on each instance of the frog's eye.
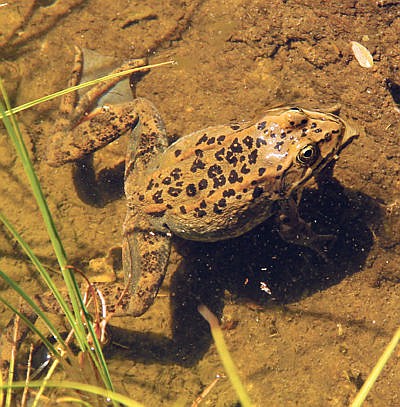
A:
(308, 155)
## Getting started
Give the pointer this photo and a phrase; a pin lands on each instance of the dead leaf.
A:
(362, 55)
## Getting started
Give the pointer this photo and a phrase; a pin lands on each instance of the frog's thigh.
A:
(145, 254)
(147, 141)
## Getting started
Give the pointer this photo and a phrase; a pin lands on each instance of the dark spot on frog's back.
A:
(174, 191)
(261, 125)
(202, 139)
(191, 190)
(203, 184)
(216, 209)
(220, 139)
(222, 203)
(214, 170)
(199, 213)
(253, 157)
(211, 140)
(234, 177)
(248, 142)
(235, 126)
(260, 142)
(157, 197)
(176, 173)
(219, 154)
(245, 169)
(150, 185)
(231, 158)
(178, 153)
(219, 181)
(228, 193)
(197, 165)
(236, 147)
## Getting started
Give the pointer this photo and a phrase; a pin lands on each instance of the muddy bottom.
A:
(312, 335)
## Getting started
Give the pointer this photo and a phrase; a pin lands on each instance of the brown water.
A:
(316, 337)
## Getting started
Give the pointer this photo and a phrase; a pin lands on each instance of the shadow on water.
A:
(239, 265)
(98, 189)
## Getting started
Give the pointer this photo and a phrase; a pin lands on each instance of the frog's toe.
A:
(321, 244)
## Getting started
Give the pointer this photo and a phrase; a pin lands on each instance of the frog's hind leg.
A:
(146, 244)
(145, 254)
(81, 131)
(70, 100)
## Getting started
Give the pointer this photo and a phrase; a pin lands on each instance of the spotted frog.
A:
(214, 184)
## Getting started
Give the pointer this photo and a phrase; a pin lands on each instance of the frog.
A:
(213, 184)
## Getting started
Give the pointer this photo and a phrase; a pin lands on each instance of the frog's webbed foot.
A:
(145, 254)
(293, 229)
(301, 233)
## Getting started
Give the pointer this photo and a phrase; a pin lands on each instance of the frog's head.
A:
(317, 140)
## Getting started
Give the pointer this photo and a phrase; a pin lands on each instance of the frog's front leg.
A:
(293, 229)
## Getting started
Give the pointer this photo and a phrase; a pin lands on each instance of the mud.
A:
(315, 338)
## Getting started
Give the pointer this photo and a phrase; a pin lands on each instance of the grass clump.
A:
(77, 315)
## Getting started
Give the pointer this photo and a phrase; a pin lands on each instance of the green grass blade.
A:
(43, 272)
(33, 328)
(224, 355)
(376, 371)
(28, 105)
(53, 330)
(17, 140)
(76, 322)
(107, 394)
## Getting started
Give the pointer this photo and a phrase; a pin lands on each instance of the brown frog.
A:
(213, 184)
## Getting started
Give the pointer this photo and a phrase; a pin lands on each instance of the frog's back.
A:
(207, 185)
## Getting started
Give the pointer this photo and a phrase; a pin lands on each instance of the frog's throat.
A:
(296, 186)
(311, 172)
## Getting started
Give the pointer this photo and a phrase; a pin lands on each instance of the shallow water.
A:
(316, 337)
